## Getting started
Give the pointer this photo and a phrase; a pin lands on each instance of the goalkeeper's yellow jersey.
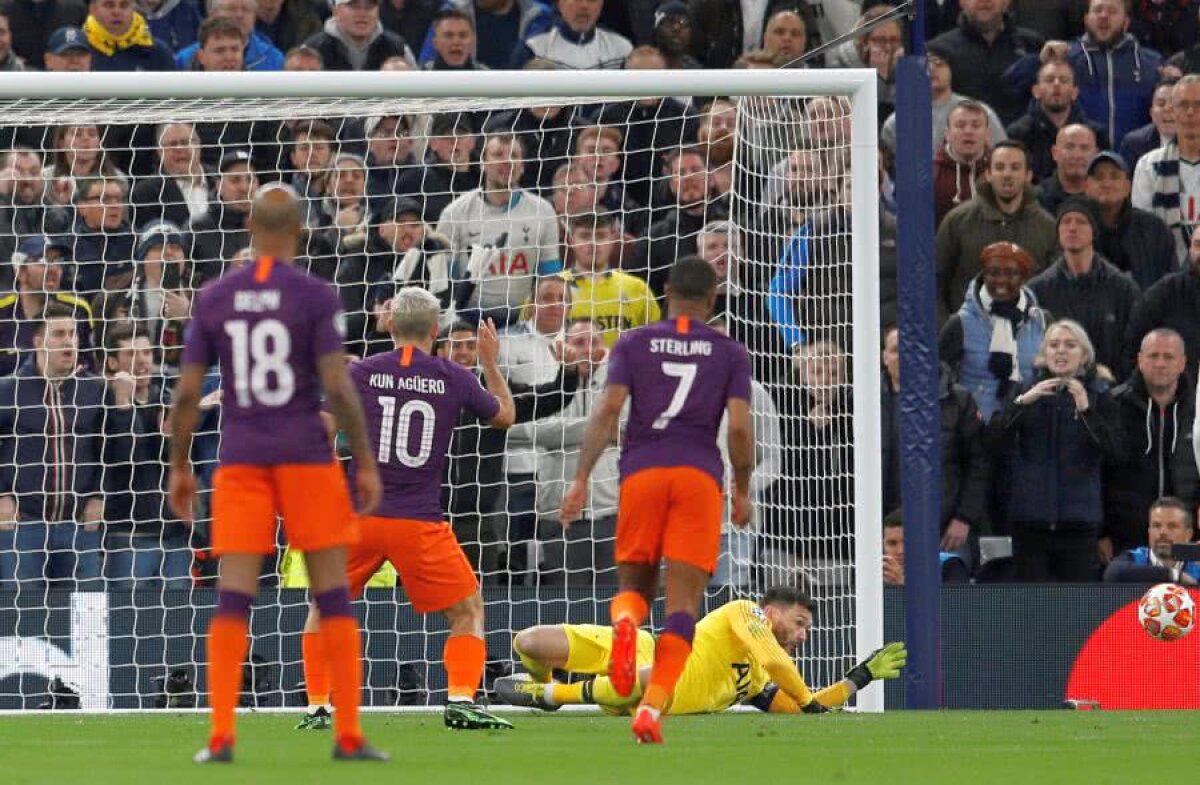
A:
(615, 301)
(734, 657)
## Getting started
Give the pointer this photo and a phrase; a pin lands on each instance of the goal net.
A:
(553, 203)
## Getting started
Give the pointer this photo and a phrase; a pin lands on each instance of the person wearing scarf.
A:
(121, 39)
(991, 342)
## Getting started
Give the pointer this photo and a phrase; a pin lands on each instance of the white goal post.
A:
(771, 125)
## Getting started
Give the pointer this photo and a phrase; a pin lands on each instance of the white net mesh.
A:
(555, 217)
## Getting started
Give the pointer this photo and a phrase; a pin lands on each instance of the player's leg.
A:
(577, 648)
(542, 650)
(465, 655)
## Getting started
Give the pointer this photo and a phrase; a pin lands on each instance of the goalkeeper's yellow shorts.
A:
(294, 575)
(590, 648)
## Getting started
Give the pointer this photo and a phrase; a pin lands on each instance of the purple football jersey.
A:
(412, 402)
(267, 325)
(680, 374)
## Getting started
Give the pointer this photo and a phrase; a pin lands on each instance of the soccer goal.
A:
(553, 202)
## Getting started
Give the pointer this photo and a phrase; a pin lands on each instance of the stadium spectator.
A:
(966, 476)
(880, 48)
(303, 58)
(582, 555)
(1054, 437)
(453, 43)
(344, 212)
(715, 136)
(744, 311)
(222, 232)
(9, 61)
(1086, 288)
(1171, 524)
(673, 234)
(502, 237)
(220, 47)
(121, 39)
(145, 545)
(572, 193)
(287, 24)
(500, 26)
(992, 341)
(449, 168)
(655, 127)
(575, 40)
(983, 45)
(101, 239)
(174, 22)
(354, 40)
(310, 158)
(179, 190)
(614, 300)
(34, 23)
(1116, 73)
(673, 35)
(954, 568)
(1074, 148)
(1156, 407)
(723, 31)
(23, 207)
(390, 150)
(1054, 108)
(1155, 133)
(1005, 208)
(77, 151)
(38, 262)
(962, 160)
(259, 54)
(545, 133)
(598, 155)
(785, 35)
(1166, 180)
(1172, 302)
(68, 51)
(162, 290)
(944, 99)
(51, 428)
(1134, 241)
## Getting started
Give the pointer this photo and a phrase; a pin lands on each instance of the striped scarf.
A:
(108, 44)
(1166, 199)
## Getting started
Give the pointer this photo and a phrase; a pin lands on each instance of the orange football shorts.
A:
(312, 498)
(431, 564)
(670, 512)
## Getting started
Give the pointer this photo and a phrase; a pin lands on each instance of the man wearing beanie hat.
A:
(1082, 285)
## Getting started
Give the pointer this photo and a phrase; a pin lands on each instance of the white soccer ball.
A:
(1167, 612)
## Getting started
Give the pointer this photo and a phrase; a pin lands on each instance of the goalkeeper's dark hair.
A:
(692, 278)
(1174, 503)
(787, 596)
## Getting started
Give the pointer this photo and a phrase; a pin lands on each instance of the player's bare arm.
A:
(184, 414)
(497, 385)
(600, 433)
(741, 456)
(347, 410)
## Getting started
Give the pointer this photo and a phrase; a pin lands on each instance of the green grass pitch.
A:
(956, 748)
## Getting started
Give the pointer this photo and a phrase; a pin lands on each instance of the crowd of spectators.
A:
(1066, 135)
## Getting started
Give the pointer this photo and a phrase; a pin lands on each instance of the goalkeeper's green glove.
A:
(882, 663)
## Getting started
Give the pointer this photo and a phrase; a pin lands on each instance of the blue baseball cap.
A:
(33, 249)
(1116, 159)
(68, 39)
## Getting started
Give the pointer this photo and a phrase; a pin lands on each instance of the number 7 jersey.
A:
(680, 374)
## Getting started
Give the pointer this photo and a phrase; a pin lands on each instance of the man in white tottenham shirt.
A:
(502, 236)
(1166, 181)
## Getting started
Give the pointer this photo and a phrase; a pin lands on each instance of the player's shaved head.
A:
(692, 278)
(276, 210)
(415, 314)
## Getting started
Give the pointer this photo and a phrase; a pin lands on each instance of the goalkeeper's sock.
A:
(465, 657)
(630, 605)
(671, 653)
(598, 691)
(316, 670)
(227, 644)
(339, 635)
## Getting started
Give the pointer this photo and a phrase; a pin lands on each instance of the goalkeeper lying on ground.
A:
(742, 653)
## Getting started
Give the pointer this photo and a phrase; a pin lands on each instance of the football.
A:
(1167, 612)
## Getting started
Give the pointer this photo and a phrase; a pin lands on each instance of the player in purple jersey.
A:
(412, 401)
(680, 377)
(275, 332)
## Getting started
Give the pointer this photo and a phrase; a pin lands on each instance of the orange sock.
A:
(629, 604)
(316, 668)
(227, 644)
(339, 634)
(465, 656)
(670, 655)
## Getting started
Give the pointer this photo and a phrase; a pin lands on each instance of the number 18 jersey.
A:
(680, 374)
(267, 325)
(412, 402)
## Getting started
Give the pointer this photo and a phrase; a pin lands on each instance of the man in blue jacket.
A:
(51, 423)
(260, 54)
(121, 39)
(1171, 524)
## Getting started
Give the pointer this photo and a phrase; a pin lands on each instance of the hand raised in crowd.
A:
(1042, 389)
(176, 306)
(488, 343)
(123, 387)
(1079, 393)
(955, 535)
(893, 571)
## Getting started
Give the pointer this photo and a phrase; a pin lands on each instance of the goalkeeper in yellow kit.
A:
(742, 654)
